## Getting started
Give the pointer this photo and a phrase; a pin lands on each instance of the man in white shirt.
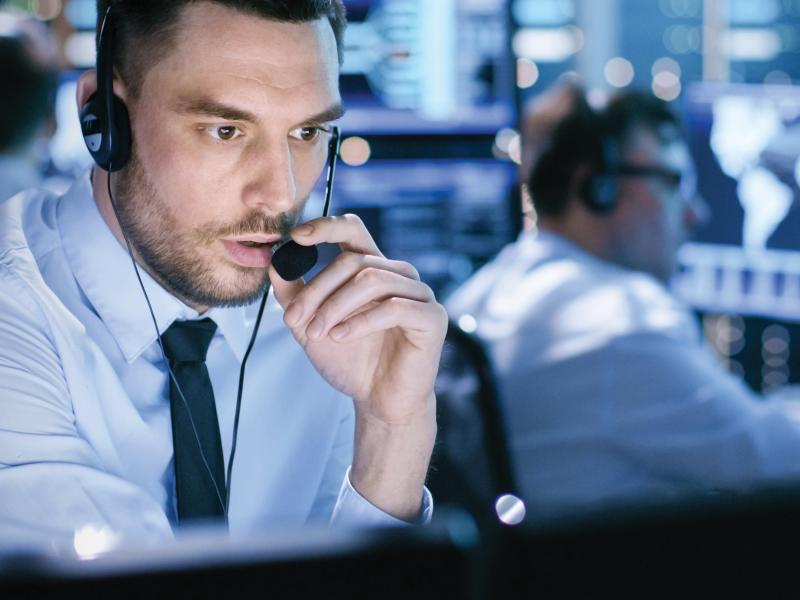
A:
(609, 393)
(230, 107)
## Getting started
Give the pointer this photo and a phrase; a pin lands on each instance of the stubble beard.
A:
(170, 254)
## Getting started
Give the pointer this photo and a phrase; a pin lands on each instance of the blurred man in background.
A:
(29, 72)
(609, 393)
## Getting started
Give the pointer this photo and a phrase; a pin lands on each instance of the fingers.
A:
(344, 267)
(348, 231)
(285, 291)
(360, 286)
(407, 314)
(348, 265)
(318, 313)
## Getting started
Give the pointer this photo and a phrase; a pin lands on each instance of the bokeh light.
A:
(618, 72)
(47, 10)
(355, 151)
(468, 323)
(666, 85)
(527, 73)
(510, 509)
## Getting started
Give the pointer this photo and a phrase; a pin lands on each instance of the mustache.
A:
(281, 224)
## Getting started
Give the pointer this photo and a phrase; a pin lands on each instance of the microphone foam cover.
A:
(292, 260)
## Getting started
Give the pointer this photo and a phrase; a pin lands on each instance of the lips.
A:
(250, 251)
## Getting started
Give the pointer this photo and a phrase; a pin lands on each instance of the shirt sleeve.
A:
(337, 499)
(645, 415)
(53, 484)
(680, 414)
(353, 509)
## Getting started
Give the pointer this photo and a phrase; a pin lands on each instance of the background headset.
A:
(600, 190)
(106, 129)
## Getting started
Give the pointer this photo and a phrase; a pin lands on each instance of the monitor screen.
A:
(427, 67)
(446, 217)
(745, 140)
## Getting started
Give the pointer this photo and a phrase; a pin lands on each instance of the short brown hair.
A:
(151, 24)
(579, 138)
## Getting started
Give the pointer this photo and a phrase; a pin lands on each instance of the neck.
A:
(584, 229)
(106, 208)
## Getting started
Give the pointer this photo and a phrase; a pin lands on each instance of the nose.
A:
(696, 212)
(271, 184)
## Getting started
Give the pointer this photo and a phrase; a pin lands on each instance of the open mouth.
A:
(252, 250)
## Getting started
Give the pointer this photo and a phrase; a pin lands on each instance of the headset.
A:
(106, 129)
(600, 190)
(105, 124)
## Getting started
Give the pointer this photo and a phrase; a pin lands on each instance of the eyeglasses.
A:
(671, 177)
(675, 181)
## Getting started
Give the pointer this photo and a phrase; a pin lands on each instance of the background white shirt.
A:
(16, 174)
(608, 390)
(85, 432)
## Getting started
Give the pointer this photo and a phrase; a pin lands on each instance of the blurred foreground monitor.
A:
(406, 562)
(714, 547)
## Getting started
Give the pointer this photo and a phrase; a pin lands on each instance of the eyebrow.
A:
(212, 108)
(331, 113)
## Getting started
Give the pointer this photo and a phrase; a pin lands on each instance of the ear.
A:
(87, 85)
(578, 182)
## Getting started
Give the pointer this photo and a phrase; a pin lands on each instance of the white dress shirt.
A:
(85, 431)
(16, 174)
(608, 390)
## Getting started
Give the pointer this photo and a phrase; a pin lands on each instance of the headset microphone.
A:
(290, 259)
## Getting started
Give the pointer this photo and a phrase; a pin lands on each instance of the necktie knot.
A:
(188, 341)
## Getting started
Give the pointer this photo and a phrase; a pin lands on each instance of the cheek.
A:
(307, 169)
(170, 167)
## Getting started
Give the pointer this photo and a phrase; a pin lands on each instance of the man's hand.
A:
(375, 332)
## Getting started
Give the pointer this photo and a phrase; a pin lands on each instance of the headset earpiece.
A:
(600, 192)
(105, 123)
(601, 189)
(108, 140)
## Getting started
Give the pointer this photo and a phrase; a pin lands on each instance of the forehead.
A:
(664, 146)
(249, 58)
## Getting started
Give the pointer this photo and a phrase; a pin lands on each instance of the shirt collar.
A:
(560, 245)
(103, 269)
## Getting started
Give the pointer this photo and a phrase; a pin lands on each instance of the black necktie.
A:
(200, 495)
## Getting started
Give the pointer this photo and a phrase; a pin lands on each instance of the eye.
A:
(224, 132)
(306, 134)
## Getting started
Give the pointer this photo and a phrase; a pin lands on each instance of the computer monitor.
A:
(401, 562)
(447, 217)
(427, 67)
(745, 140)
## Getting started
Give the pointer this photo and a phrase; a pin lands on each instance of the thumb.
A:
(285, 291)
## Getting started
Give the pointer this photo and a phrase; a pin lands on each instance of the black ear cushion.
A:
(93, 126)
(600, 193)
(121, 148)
(96, 131)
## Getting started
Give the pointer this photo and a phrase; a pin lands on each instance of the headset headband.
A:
(105, 72)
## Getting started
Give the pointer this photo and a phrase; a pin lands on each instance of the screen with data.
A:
(427, 67)
(746, 142)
